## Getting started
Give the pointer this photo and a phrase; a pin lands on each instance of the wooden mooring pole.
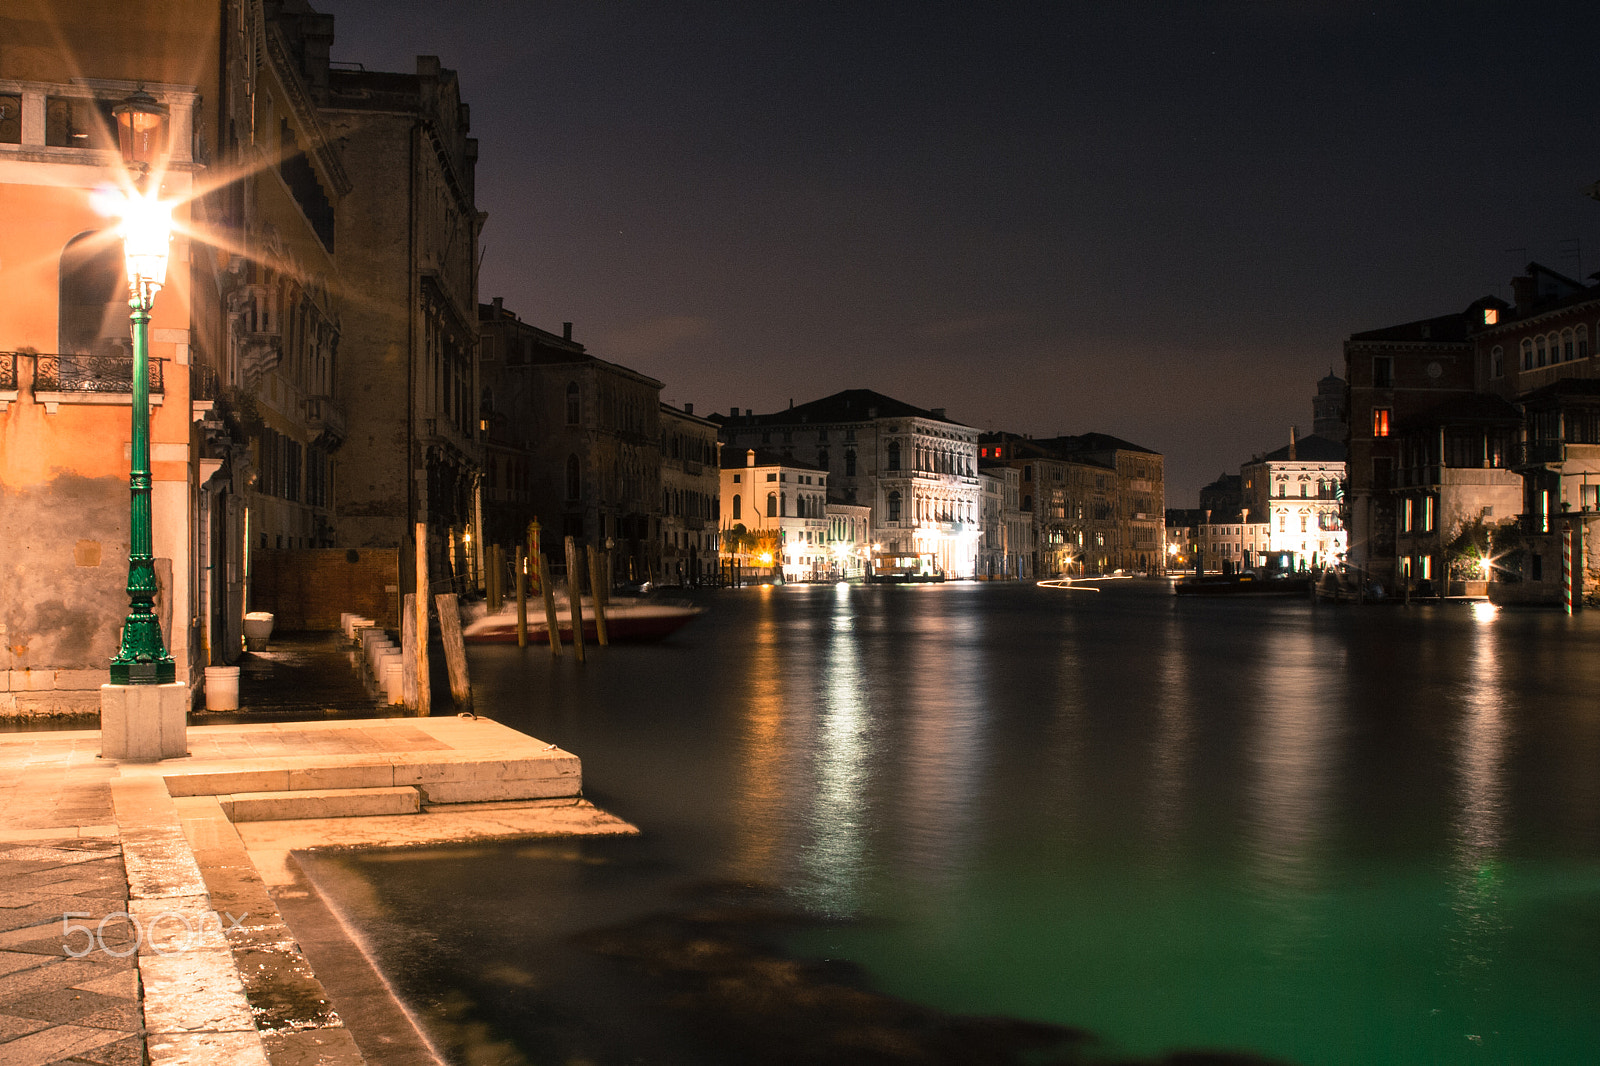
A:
(575, 596)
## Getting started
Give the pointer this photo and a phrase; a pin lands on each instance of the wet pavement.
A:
(139, 925)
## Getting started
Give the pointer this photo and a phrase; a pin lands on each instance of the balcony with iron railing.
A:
(77, 378)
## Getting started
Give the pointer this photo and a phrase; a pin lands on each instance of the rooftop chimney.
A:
(937, 412)
(499, 305)
(566, 331)
(750, 457)
(1294, 432)
(688, 408)
(734, 412)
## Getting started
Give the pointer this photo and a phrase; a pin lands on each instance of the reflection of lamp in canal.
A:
(143, 708)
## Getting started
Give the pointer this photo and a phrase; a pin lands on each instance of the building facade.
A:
(1097, 502)
(243, 339)
(407, 237)
(691, 487)
(1397, 376)
(915, 469)
(1298, 491)
(775, 520)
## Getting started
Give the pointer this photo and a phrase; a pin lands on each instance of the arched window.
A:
(574, 482)
(93, 295)
(894, 507)
(1527, 354)
(1538, 350)
(738, 507)
(572, 404)
(772, 505)
(800, 506)
(1567, 353)
(894, 455)
(1583, 342)
(1497, 362)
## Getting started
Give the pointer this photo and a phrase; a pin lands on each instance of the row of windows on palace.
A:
(1546, 349)
(1470, 450)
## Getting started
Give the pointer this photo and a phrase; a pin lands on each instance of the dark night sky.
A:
(1157, 220)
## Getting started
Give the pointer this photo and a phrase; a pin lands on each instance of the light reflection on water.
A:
(1331, 835)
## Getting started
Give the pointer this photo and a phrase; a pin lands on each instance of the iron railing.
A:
(90, 373)
(8, 370)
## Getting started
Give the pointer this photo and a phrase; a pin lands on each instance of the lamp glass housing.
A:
(141, 129)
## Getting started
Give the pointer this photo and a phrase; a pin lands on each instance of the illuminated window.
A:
(1490, 316)
(1380, 421)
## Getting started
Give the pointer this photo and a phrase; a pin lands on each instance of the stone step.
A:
(454, 778)
(320, 803)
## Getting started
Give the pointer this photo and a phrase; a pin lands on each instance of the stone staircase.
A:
(353, 785)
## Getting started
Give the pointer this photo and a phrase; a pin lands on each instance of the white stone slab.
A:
(320, 803)
(194, 991)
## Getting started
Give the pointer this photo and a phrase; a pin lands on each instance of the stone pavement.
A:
(138, 923)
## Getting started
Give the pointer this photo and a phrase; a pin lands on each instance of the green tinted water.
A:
(1324, 836)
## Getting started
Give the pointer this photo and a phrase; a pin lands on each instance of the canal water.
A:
(1311, 834)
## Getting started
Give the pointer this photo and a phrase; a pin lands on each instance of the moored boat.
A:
(1245, 584)
(626, 620)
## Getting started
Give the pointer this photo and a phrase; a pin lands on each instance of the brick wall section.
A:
(309, 589)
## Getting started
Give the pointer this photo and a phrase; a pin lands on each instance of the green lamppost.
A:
(146, 230)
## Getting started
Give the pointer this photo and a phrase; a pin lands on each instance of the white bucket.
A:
(222, 688)
(257, 629)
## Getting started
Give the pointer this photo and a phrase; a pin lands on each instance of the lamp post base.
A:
(144, 723)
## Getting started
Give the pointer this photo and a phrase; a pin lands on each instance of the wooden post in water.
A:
(424, 683)
(522, 601)
(552, 623)
(455, 650)
(575, 596)
(488, 580)
(597, 586)
(408, 650)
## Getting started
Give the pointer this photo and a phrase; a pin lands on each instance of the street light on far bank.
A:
(146, 232)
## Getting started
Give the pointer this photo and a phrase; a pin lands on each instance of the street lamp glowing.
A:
(141, 130)
(146, 231)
